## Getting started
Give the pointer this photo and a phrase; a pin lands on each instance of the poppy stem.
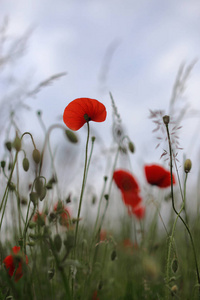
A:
(173, 205)
(83, 184)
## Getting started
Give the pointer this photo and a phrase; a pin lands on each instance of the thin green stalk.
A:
(109, 189)
(173, 205)
(5, 195)
(83, 184)
(61, 269)
(99, 206)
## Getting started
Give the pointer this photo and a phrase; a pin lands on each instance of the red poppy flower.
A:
(139, 211)
(63, 213)
(125, 181)
(157, 175)
(81, 110)
(128, 187)
(14, 263)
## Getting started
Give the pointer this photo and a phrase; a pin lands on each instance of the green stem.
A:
(83, 183)
(5, 195)
(178, 214)
(109, 189)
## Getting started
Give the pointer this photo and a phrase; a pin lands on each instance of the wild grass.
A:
(79, 256)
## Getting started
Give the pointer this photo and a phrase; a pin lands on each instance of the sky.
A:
(130, 48)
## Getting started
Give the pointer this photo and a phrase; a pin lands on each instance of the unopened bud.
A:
(166, 120)
(36, 156)
(25, 164)
(32, 225)
(93, 139)
(8, 145)
(38, 186)
(3, 164)
(187, 165)
(43, 193)
(72, 137)
(34, 198)
(17, 143)
(106, 196)
(11, 186)
(131, 147)
(57, 242)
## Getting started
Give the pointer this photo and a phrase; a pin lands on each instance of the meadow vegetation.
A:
(49, 252)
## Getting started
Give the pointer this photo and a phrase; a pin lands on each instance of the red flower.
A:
(14, 263)
(128, 187)
(64, 214)
(157, 175)
(139, 211)
(125, 181)
(81, 110)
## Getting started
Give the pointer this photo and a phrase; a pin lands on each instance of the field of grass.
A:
(48, 253)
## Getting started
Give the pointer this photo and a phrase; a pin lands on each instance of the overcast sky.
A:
(131, 48)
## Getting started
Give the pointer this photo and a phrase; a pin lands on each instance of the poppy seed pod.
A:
(36, 156)
(187, 165)
(166, 120)
(25, 164)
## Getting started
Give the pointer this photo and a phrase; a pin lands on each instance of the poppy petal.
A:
(74, 113)
(125, 181)
(139, 211)
(157, 175)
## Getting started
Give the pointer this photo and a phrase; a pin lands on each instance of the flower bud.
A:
(57, 242)
(187, 165)
(69, 242)
(106, 196)
(32, 225)
(25, 164)
(8, 145)
(33, 236)
(131, 147)
(38, 186)
(43, 193)
(34, 198)
(17, 143)
(49, 186)
(166, 120)
(11, 186)
(71, 136)
(3, 164)
(36, 156)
